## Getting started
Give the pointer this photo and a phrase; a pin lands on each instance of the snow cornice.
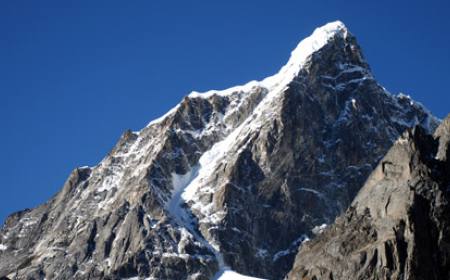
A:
(299, 56)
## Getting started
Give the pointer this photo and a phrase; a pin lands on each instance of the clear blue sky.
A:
(75, 74)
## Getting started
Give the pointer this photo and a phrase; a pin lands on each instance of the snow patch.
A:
(319, 229)
(3, 247)
(184, 219)
(174, 206)
(430, 123)
(160, 119)
(293, 248)
(311, 191)
(262, 253)
(354, 103)
(232, 275)
(401, 95)
(402, 141)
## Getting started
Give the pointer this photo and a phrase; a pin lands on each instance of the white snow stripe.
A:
(299, 57)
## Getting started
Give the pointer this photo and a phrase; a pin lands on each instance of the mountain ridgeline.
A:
(233, 182)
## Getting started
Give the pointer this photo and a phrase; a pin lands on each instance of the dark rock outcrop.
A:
(398, 227)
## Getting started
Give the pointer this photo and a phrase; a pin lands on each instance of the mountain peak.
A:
(299, 57)
(227, 182)
(316, 41)
(306, 48)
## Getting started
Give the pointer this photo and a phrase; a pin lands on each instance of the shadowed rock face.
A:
(238, 177)
(398, 226)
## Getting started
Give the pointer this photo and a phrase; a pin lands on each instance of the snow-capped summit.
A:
(299, 56)
(227, 183)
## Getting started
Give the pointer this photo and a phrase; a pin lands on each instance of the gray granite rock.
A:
(398, 226)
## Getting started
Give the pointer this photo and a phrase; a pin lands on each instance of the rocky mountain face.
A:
(226, 183)
(398, 226)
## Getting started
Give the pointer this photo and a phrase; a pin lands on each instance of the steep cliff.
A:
(398, 227)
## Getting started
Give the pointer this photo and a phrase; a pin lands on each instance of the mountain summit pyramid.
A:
(226, 183)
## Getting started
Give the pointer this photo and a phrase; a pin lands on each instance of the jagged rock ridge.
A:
(227, 180)
(398, 227)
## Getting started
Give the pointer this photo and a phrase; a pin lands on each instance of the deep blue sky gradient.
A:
(75, 74)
